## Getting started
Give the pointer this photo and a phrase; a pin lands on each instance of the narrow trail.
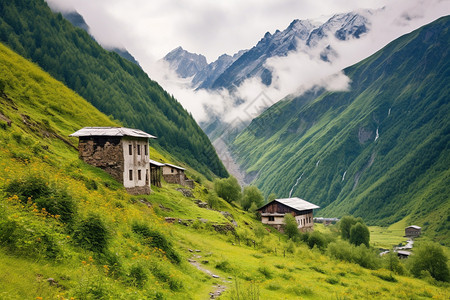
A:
(218, 288)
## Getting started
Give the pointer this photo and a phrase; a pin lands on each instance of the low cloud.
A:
(300, 71)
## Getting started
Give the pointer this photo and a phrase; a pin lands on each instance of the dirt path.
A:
(218, 288)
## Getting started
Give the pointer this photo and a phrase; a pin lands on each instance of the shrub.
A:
(228, 189)
(28, 239)
(92, 234)
(317, 239)
(266, 271)
(392, 263)
(55, 199)
(224, 266)
(252, 196)
(361, 255)
(290, 227)
(430, 257)
(138, 275)
(161, 273)
(156, 239)
(385, 276)
(359, 234)
(213, 200)
(345, 225)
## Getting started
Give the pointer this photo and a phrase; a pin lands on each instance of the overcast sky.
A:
(151, 29)
(210, 27)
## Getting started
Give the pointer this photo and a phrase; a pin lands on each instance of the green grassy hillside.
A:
(330, 145)
(112, 84)
(69, 231)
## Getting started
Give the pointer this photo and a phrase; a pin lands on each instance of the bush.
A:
(156, 239)
(228, 189)
(213, 200)
(266, 271)
(252, 196)
(92, 234)
(138, 275)
(317, 239)
(430, 257)
(290, 226)
(345, 225)
(29, 239)
(359, 234)
(54, 199)
(224, 265)
(392, 263)
(361, 255)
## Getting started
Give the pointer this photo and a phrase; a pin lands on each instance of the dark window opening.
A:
(138, 149)
(146, 150)
(130, 174)
(130, 149)
(271, 218)
(139, 175)
(172, 170)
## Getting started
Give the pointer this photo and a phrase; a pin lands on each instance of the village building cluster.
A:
(124, 154)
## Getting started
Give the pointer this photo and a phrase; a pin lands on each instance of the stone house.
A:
(413, 231)
(273, 213)
(175, 174)
(121, 152)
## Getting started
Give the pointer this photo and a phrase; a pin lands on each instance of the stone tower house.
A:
(122, 152)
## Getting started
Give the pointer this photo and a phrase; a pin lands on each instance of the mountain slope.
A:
(111, 83)
(142, 256)
(380, 150)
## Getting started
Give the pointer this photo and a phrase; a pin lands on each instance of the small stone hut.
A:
(412, 231)
(273, 213)
(175, 174)
(156, 172)
(121, 152)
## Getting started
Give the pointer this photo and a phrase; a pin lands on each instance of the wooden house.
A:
(122, 152)
(273, 213)
(413, 231)
(156, 172)
(175, 174)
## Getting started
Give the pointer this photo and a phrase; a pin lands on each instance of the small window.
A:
(271, 218)
(309, 219)
(139, 174)
(138, 149)
(130, 174)
(146, 150)
(130, 149)
(172, 170)
(146, 175)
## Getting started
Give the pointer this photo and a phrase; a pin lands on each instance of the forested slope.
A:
(379, 150)
(112, 84)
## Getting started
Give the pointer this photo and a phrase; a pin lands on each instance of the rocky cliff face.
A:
(186, 64)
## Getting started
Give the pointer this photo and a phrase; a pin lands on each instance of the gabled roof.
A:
(112, 131)
(156, 163)
(414, 226)
(176, 167)
(294, 203)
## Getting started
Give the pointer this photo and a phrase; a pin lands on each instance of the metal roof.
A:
(414, 226)
(156, 163)
(295, 203)
(112, 131)
(176, 167)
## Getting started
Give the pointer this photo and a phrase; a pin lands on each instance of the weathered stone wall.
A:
(139, 190)
(174, 178)
(103, 152)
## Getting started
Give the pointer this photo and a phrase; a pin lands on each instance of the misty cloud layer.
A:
(149, 30)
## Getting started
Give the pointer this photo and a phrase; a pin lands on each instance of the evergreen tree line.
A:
(112, 84)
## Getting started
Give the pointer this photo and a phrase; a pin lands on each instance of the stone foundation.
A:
(139, 190)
